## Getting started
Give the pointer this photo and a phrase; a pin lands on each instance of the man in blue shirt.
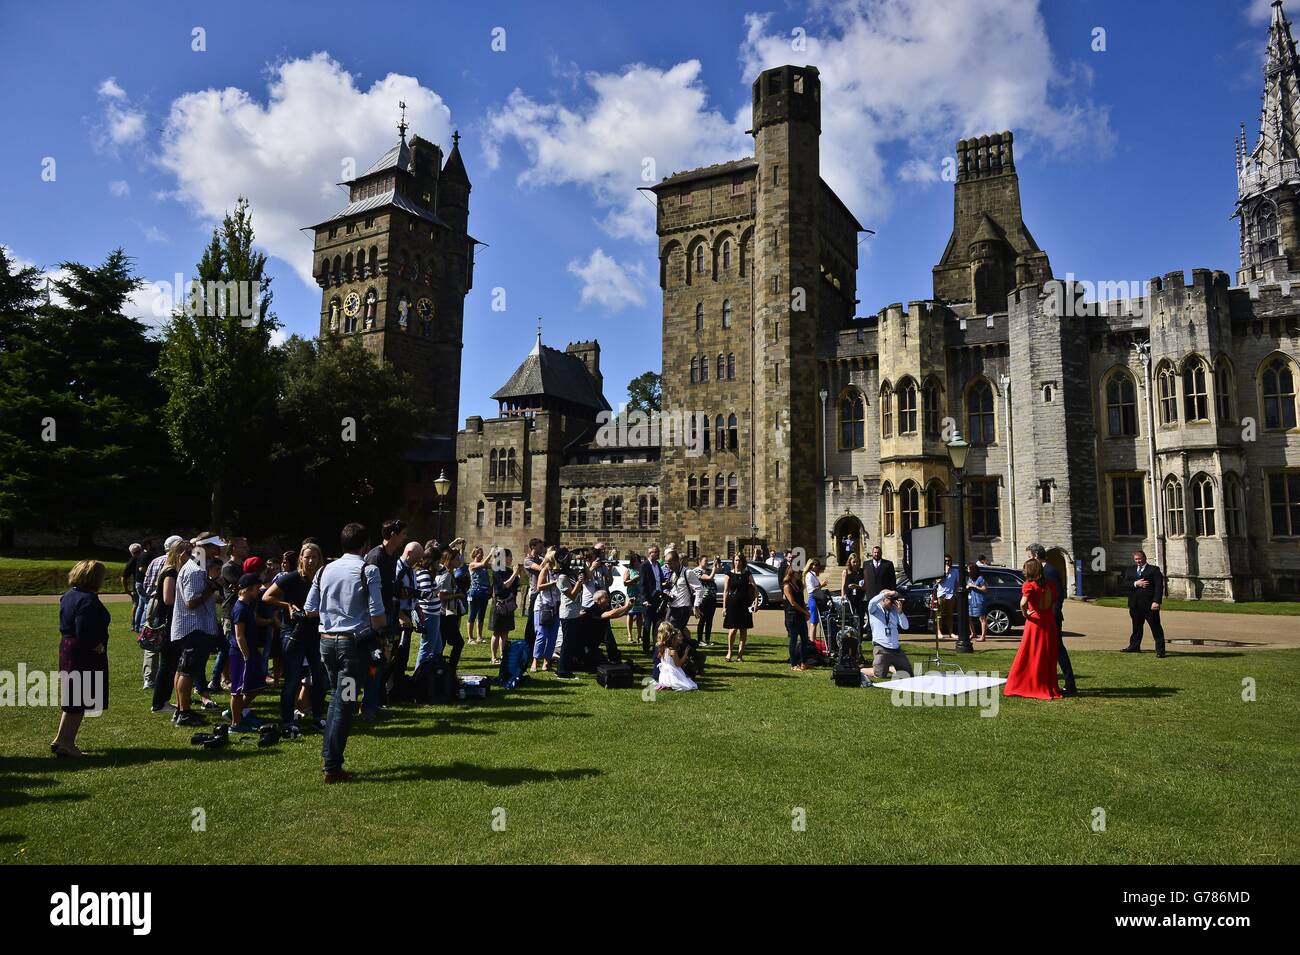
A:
(885, 614)
(349, 598)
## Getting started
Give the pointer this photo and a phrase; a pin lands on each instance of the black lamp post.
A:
(440, 487)
(957, 451)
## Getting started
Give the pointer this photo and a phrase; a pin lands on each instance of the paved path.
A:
(1089, 626)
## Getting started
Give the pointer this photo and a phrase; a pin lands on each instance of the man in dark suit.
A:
(652, 582)
(878, 574)
(1039, 553)
(1146, 588)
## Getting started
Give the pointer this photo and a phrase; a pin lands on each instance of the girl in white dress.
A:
(672, 653)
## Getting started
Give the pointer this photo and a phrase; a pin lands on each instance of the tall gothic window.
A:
(909, 496)
(1167, 387)
(695, 370)
(1266, 231)
(1284, 503)
(887, 510)
(726, 255)
(726, 313)
(699, 317)
(1128, 505)
(1278, 383)
(853, 417)
(704, 490)
(979, 413)
(722, 367)
(1203, 505)
(930, 408)
(985, 521)
(886, 411)
(1121, 405)
(1236, 526)
(733, 433)
(731, 366)
(1175, 523)
(1223, 391)
(692, 492)
(722, 433)
(1196, 402)
(907, 406)
(934, 503)
(699, 259)
(719, 491)
(733, 489)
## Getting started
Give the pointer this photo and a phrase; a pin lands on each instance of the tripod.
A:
(937, 662)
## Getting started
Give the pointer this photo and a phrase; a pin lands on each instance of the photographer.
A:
(592, 622)
(704, 587)
(505, 599)
(677, 592)
(569, 584)
(348, 596)
(547, 612)
(384, 557)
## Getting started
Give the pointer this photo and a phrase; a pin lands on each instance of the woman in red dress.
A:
(1033, 672)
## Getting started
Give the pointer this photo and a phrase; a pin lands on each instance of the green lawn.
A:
(1184, 770)
(1285, 608)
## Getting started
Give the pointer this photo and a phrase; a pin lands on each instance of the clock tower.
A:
(394, 267)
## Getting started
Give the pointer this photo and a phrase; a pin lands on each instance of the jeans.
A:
(704, 626)
(376, 683)
(300, 654)
(342, 664)
(544, 645)
(796, 628)
(430, 641)
(477, 606)
(141, 605)
(451, 637)
(401, 655)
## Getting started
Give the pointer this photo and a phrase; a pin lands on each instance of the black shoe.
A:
(1160, 654)
(189, 719)
(1131, 650)
(1070, 690)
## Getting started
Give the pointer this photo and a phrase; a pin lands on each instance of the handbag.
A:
(546, 616)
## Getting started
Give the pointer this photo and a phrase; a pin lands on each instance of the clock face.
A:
(424, 308)
(352, 304)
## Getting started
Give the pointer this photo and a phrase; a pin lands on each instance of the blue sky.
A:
(1125, 155)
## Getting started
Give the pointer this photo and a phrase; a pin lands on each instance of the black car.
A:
(1002, 601)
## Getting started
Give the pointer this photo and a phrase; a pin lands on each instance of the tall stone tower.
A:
(1268, 177)
(394, 267)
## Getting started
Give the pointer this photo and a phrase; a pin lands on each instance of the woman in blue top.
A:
(480, 589)
(83, 653)
(977, 600)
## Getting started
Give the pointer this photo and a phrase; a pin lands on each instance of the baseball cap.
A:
(215, 541)
(172, 541)
(249, 580)
(254, 565)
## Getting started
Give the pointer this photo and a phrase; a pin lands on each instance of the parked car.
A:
(1002, 601)
(765, 579)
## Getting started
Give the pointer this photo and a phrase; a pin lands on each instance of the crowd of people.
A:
(212, 619)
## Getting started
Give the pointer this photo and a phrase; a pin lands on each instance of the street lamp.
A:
(824, 394)
(957, 451)
(440, 487)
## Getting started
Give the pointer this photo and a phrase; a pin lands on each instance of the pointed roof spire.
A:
(1279, 125)
(537, 347)
(401, 123)
(455, 165)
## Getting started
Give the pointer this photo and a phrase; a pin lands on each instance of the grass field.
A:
(41, 572)
(1284, 608)
(1183, 768)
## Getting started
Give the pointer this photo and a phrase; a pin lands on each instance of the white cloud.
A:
(122, 123)
(917, 169)
(154, 234)
(924, 74)
(119, 188)
(286, 152)
(1260, 11)
(111, 90)
(607, 283)
(635, 127)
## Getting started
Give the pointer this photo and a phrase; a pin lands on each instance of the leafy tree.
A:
(218, 365)
(645, 393)
(76, 395)
(342, 425)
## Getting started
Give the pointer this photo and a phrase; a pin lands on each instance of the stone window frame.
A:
(1195, 379)
(1167, 396)
(1119, 376)
(853, 400)
(888, 518)
(1279, 394)
(1128, 504)
(991, 413)
(1289, 481)
(1174, 503)
(1202, 505)
(1234, 513)
(1224, 385)
(986, 503)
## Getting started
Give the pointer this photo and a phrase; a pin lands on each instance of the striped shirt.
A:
(151, 575)
(192, 583)
(426, 594)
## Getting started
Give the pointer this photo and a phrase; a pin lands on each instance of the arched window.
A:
(930, 408)
(733, 489)
(347, 266)
(492, 466)
(1223, 391)
(887, 510)
(1278, 385)
(582, 512)
(726, 255)
(853, 418)
(1266, 231)
(907, 406)
(1236, 526)
(372, 306)
(733, 433)
(654, 510)
(909, 496)
(699, 317)
(478, 514)
(692, 493)
(731, 366)
(699, 259)
(886, 411)
(374, 260)
(726, 313)
(334, 314)
(1167, 388)
(695, 370)
(979, 413)
(528, 513)
(934, 492)
(1121, 405)
(1203, 505)
(719, 491)
(704, 368)
(722, 367)
(573, 512)
(1175, 524)
(512, 469)
(642, 511)
(338, 270)
(708, 433)
(1196, 401)
(704, 490)
(722, 433)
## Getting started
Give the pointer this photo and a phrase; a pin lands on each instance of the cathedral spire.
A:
(401, 124)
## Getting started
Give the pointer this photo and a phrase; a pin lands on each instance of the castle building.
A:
(394, 267)
(1101, 419)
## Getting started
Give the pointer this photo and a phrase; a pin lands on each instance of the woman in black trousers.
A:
(83, 653)
(706, 601)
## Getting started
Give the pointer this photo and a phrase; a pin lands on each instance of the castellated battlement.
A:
(916, 311)
(1201, 278)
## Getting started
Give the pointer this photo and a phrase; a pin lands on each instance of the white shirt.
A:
(681, 592)
(192, 583)
(569, 608)
(885, 627)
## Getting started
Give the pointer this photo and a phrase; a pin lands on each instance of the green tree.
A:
(343, 424)
(218, 365)
(76, 397)
(645, 393)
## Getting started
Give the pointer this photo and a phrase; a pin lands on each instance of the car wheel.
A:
(999, 621)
